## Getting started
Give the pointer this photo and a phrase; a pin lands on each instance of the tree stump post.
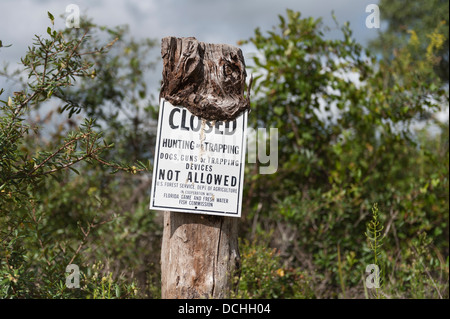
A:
(200, 254)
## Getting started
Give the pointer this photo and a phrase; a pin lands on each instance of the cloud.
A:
(209, 21)
(220, 21)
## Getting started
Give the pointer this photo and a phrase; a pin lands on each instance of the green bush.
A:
(344, 144)
(263, 275)
(49, 211)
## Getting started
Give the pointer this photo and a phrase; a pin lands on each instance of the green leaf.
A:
(278, 110)
(73, 169)
(51, 17)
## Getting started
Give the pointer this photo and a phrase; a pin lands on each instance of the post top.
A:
(208, 79)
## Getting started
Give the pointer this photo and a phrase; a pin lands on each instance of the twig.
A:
(56, 153)
(83, 241)
(426, 270)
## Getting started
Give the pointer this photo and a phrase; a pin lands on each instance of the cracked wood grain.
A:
(203, 266)
(208, 79)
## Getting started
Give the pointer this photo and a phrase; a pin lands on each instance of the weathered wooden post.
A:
(200, 255)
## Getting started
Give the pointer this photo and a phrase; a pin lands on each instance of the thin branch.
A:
(79, 159)
(83, 241)
(86, 233)
(56, 153)
(426, 270)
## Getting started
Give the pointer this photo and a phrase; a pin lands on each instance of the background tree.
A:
(345, 123)
(425, 23)
(48, 223)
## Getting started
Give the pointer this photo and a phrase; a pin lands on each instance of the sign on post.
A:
(199, 164)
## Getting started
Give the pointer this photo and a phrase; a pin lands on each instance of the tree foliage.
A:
(347, 140)
(354, 129)
(55, 193)
(423, 24)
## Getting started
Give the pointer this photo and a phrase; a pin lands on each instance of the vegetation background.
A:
(362, 177)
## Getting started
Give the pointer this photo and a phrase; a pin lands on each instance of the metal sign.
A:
(199, 164)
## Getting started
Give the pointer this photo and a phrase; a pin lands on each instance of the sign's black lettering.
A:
(169, 176)
(171, 115)
(199, 164)
(193, 123)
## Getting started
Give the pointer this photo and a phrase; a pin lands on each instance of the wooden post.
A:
(200, 254)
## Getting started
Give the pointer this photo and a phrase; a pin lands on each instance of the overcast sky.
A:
(216, 21)
(209, 20)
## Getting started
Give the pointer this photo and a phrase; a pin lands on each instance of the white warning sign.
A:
(199, 164)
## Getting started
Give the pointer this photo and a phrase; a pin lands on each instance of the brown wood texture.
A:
(208, 79)
(200, 254)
